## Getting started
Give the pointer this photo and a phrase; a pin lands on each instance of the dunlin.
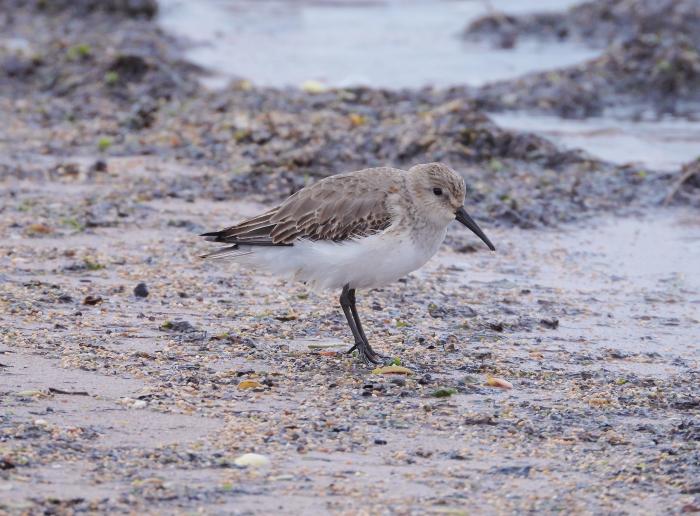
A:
(361, 229)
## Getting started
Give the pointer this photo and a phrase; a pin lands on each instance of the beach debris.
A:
(54, 390)
(392, 369)
(252, 460)
(444, 393)
(38, 229)
(250, 384)
(493, 381)
(313, 86)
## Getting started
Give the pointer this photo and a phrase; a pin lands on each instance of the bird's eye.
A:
(437, 191)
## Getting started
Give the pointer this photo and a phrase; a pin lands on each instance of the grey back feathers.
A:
(336, 208)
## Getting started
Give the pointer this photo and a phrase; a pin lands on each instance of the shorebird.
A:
(351, 231)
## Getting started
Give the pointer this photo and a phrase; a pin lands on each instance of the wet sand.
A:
(594, 325)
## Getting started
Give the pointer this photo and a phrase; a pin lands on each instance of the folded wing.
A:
(337, 208)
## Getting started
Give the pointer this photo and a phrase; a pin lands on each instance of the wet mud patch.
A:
(651, 63)
(595, 23)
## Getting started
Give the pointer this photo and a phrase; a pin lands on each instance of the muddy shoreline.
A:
(81, 94)
(650, 64)
(138, 401)
(120, 398)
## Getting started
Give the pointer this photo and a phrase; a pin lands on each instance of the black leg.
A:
(350, 296)
(353, 309)
(367, 354)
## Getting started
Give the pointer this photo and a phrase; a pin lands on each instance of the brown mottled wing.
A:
(337, 208)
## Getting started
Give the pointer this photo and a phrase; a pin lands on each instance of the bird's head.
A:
(441, 191)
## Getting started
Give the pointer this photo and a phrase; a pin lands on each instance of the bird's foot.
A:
(370, 359)
(365, 352)
(368, 355)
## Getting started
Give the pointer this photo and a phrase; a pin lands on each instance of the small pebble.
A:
(141, 290)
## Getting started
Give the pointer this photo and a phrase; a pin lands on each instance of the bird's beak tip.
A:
(463, 217)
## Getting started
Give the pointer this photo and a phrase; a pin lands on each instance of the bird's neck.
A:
(413, 221)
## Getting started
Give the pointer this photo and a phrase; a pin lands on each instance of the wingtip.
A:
(212, 236)
(221, 252)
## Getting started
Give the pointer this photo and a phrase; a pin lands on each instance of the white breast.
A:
(363, 263)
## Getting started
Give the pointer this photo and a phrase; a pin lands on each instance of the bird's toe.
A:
(369, 357)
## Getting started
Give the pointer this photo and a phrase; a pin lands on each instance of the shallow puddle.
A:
(380, 43)
(660, 145)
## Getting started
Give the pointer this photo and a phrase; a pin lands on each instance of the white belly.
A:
(365, 263)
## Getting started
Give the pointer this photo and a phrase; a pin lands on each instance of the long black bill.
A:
(463, 217)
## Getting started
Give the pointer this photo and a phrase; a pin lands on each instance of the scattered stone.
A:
(143, 115)
(178, 326)
(6, 463)
(99, 165)
(480, 420)
(91, 300)
(497, 326)
(436, 311)
(17, 66)
(141, 290)
(516, 471)
(552, 323)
